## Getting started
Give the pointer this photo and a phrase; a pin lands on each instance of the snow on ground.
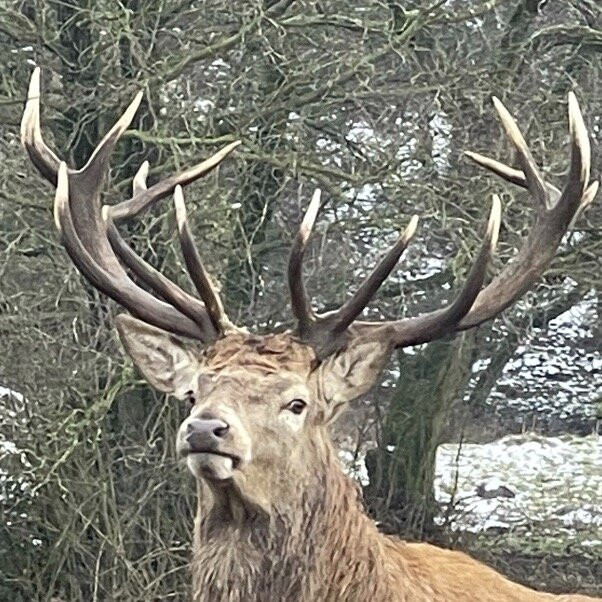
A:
(11, 482)
(5, 391)
(555, 480)
(7, 447)
(556, 483)
(554, 391)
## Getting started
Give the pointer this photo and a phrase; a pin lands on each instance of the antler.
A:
(554, 212)
(94, 243)
(91, 238)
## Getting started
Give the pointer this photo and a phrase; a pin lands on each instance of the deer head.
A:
(261, 404)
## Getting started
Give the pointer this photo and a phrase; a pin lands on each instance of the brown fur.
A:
(287, 524)
(319, 546)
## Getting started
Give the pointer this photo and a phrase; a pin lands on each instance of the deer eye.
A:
(190, 398)
(296, 406)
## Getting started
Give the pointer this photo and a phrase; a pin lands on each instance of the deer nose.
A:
(204, 433)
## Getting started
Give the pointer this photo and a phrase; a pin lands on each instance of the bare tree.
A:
(373, 104)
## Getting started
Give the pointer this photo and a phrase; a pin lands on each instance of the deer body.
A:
(304, 536)
(319, 546)
(278, 520)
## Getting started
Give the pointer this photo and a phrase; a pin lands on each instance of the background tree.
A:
(372, 102)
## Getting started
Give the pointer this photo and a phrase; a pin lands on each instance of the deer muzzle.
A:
(209, 445)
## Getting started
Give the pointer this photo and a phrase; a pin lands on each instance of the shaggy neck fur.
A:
(317, 545)
(305, 550)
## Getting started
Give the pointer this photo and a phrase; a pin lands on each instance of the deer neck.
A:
(304, 549)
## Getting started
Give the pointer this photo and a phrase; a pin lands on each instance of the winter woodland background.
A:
(373, 101)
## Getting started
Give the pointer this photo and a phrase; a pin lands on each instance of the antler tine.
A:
(579, 171)
(156, 281)
(476, 277)
(94, 170)
(515, 176)
(47, 162)
(64, 224)
(554, 213)
(139, 182)
(44, 158)
(198, 274)
(580, 159)
(146, 198)
(534, 181)
(84, 232)
(578, 177)
(40, 154)
(168, 290)
(300, 303)
(438, 323)
(548, 229)
(588, 196)
(116, 284)
(354, 307)
(550, 225)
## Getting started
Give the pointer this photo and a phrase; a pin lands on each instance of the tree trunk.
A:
(402, 468)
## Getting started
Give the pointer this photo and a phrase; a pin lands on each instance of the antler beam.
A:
(94, 243)
(554, 212)
(92, 240)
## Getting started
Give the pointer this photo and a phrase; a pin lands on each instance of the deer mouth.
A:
(211, 452)
(212, 465)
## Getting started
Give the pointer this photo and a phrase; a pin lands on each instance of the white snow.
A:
(556, 480)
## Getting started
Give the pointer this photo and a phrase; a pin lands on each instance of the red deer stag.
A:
(284, 522)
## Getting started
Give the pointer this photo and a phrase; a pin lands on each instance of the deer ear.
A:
(163, 359)
(351, 371)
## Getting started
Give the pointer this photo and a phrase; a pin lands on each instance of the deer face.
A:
(259, 405)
